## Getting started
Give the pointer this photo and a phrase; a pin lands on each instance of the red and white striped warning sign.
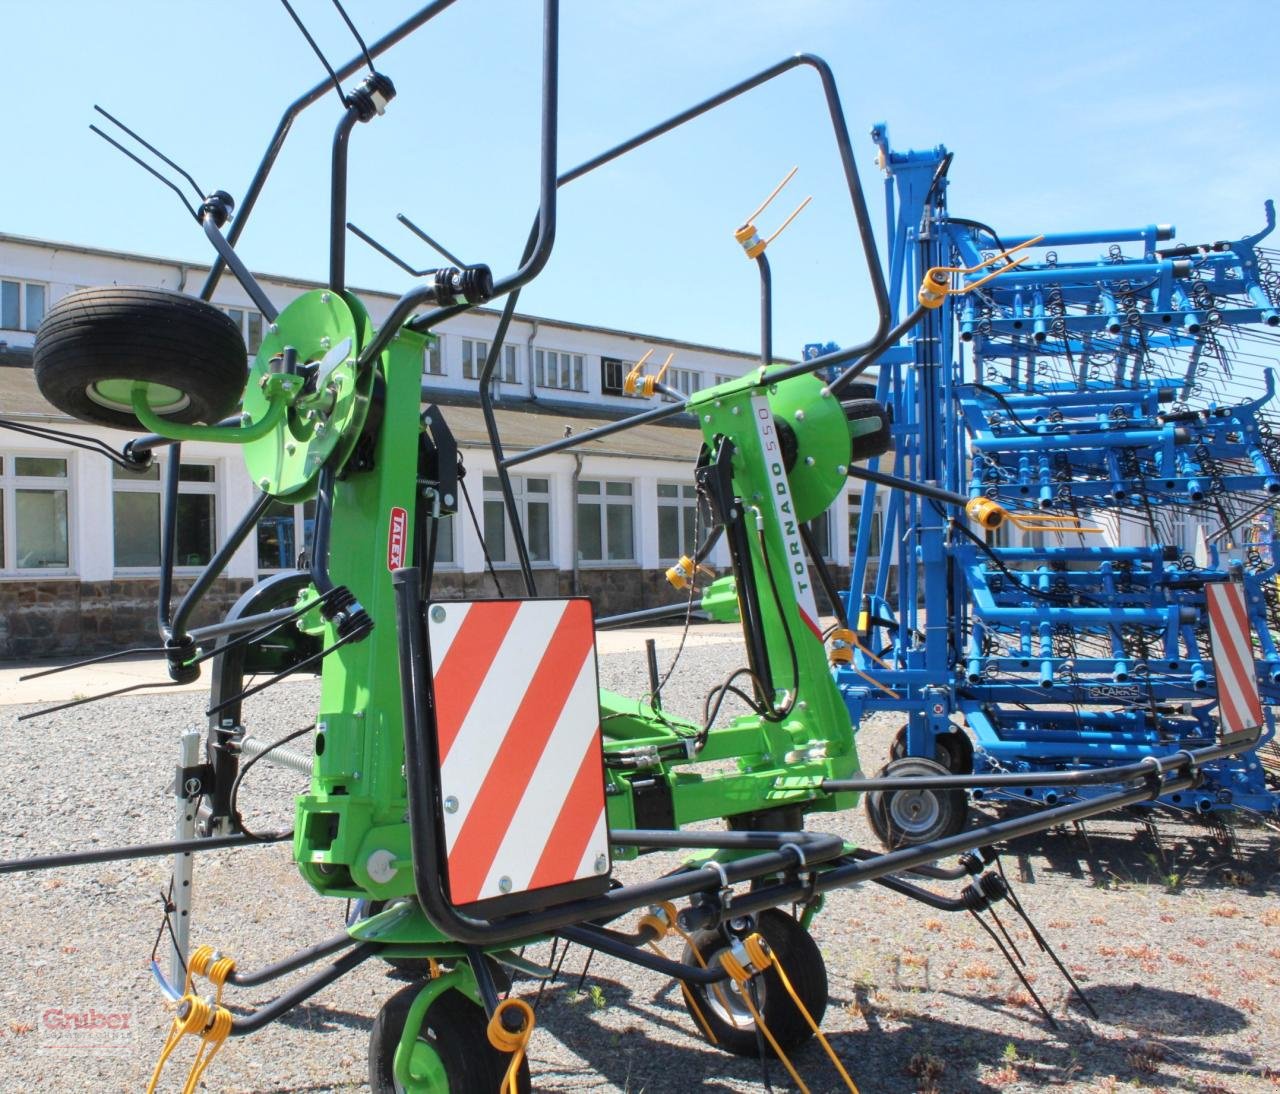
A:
(518, 731)
(1239, 705)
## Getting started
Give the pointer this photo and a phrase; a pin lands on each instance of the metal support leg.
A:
(186, 796)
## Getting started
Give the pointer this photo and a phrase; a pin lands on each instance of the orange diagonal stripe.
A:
(575, 825)
(524, 742)
(457, 681)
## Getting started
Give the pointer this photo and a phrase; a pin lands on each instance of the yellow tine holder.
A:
(936, 286)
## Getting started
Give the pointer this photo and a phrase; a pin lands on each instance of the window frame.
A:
(576, 364)
(853, 509)
(434, 351)
(601, 503)
(10, 484)
(521, 494)
(686, 381)
(245, 323)
(508, 371)
(156, 486)
(623, 367)
(685, 504)
(25, 285)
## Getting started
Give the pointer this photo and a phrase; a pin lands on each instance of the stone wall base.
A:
(63, 616)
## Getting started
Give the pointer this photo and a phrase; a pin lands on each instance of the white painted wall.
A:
(64, 268)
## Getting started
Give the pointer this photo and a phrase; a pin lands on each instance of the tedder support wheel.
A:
(904, 818)
(95, 344)
(724, 1008)
(452, 1053)
(953, 750)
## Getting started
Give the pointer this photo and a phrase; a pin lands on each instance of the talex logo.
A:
(396, 538)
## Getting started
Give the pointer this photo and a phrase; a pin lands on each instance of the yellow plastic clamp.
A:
(936, 286)
(841, 652)
(749, 238)
(512, 1041)
(638, 384)
(991, 515)
(631, 384)
(683, 573)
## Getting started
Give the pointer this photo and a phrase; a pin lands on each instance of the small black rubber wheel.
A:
(953, 750)
(726, 1011)
(455, 1044)
(872, 433)
(906, 818)
(94, 344)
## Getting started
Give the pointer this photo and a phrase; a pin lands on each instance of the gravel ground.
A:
(1172, 932)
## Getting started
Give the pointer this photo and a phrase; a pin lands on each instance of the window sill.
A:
(35, 575)
(154, 571)
(610, 564)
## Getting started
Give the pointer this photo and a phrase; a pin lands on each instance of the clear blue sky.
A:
(1061, 115)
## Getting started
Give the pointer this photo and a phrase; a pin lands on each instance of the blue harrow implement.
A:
(1112, 389)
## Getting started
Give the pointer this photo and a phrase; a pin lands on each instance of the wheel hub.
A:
(324, 423)
(914, 810)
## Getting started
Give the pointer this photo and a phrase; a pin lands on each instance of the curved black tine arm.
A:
(254, 191)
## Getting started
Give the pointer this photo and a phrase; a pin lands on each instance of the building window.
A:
(559, 370)
(33, 513)
(613, 372)
(474, 355)
(446, 545)
(678, 523)
(285, 533)
(684, 380)
(724, 377)
(606, 521)
(820, 529)
(433, 356)
(22, 304)
(135, 504)
(533, 503)
(250, 324)
(855, 520)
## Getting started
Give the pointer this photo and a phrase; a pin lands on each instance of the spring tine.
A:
(93, 699)
(149, 169)
(555, 970)
(355, 34)
(304, 663)
(1008, 937)
(316, 50)
(384, 251)
(92, 661)
(200, 192)
(1025, 982)
(1044, 945)
(582, 979)
(432, 243)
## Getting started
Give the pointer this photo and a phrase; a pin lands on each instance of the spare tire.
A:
(96, 343)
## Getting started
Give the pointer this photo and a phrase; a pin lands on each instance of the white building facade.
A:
(79, 538)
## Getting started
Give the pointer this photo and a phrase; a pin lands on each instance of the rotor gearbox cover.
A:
(323, 422)
(817, 471)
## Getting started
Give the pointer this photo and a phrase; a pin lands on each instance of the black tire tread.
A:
(799, 955)
(954, 806)
(155, 335)
(470, 1061)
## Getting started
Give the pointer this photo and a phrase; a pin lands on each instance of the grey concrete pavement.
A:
(90, 680)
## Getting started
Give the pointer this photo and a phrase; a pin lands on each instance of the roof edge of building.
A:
(541, 320)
